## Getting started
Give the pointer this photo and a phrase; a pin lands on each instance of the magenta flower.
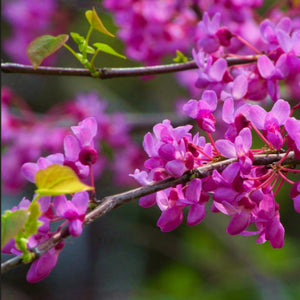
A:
(202, 110)
(146, 24)
(270, 122)
(236, 89)
(295, 195)
(289, 43)
(236, 118)
(196, 200)
(43, 266)
(85, 133)
(172, 214)
(209, 42)
(267, 221)
(211, 72)
(167, 150)
(269, 31)
(240, 149)
(74, 210)
(72, 150)
(273, 73)
(292, 127)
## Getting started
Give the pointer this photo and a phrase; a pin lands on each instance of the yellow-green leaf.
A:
(95, 21)
(180, 57)
(58, 180)
(107, 49)
(43, 46)
(12, 223)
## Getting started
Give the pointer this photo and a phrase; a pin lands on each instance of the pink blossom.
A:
(74, 210)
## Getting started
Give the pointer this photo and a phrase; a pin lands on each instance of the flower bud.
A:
(88, 155)
(224, 36)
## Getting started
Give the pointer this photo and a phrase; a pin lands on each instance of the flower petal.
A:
(196, 214)
(170, 219)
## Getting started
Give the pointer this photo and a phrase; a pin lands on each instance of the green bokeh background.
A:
(124, 255)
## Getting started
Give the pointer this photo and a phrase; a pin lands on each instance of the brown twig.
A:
(105, 73)
(110, 202)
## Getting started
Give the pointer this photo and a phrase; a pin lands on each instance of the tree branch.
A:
(105, 73)
(110, 202)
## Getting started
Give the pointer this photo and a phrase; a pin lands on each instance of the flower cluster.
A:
(242, 190)
(277, 45)
(80, 155)
(28, 20)
(153, 29)
(173, 25)
(218, 31)
(23, 138)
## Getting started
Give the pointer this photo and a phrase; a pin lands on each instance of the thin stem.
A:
(213, 143)
(105, 73)
(70, 49)
(93, 58)
(285, 178)
(93, 192)
(262, 137)
(261, 177)
(87, 39)
(289, 170)
(111, 202)
(279, 186)
(282, 159)
(247, 44)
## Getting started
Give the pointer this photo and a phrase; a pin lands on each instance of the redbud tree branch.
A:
(108, 203)
(105, 73)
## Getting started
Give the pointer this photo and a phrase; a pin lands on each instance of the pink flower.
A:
(295, 195)
(240, 149)
(74, 210)
(43, 266)
(202, 110)
(292, 127)
(270, 122)
(172, 214)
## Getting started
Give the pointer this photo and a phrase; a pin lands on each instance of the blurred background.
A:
(124, 255)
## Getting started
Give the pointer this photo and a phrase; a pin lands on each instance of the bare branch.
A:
(110, 202)
(105, 73)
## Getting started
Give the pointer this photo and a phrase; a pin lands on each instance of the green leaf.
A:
(30, 228)
(180, 57)
(58, 180)
(77, 38)
(107, 49)
(12, 223)
(82, 45)
(90, 50)
(32, 224)
(21, 243)
(95, 21)
(43, 46)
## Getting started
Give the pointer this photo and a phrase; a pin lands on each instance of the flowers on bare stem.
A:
(213, 32)
(243, 191)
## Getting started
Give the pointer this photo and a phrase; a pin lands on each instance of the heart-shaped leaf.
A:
(95, 21)
(43, 46)
(58, 180)
(11, 223)
(107, 49)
